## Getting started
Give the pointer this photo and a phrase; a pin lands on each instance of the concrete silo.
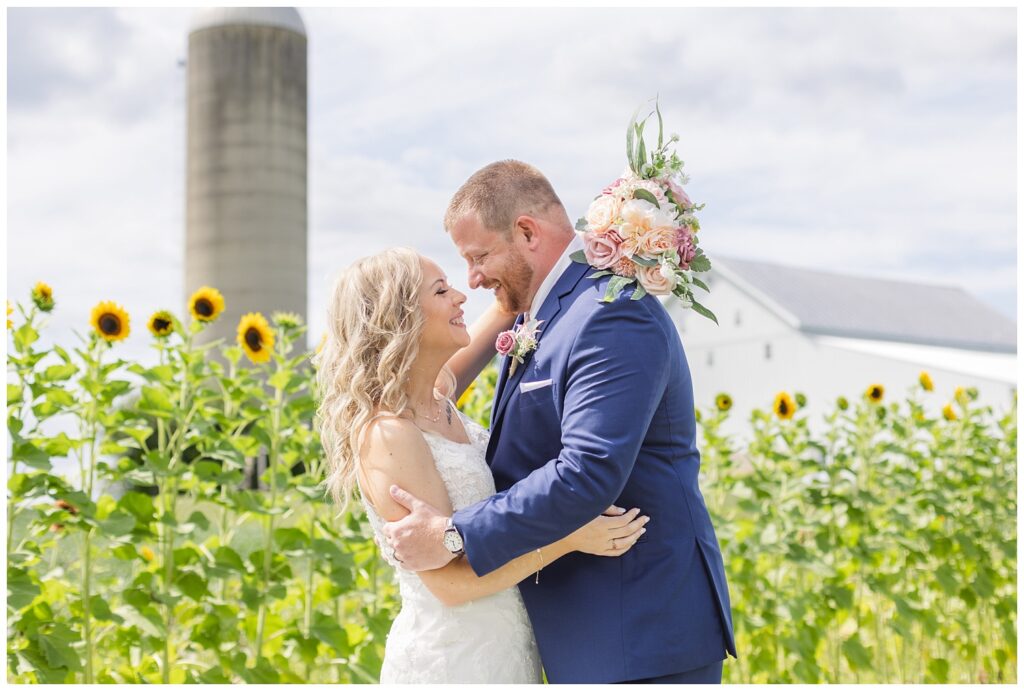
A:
(246, 217)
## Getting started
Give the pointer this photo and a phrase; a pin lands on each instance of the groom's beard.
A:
(515, 285)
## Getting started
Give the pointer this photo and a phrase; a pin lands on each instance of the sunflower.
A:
(42, 295)
(147, 554)
(110, 321)
(10, 311)
(960, 395)
(206, 304)
(842, 403)
(875, 393)
(784, 406)
(948, 412)
(926, 381)
(161, 324)
(255, 336)
(723, 402)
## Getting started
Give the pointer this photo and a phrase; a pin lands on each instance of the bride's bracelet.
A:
(536, 578)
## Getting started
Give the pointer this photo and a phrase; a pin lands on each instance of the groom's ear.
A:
(528, 228)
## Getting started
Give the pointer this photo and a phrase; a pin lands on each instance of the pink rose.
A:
(609, 188)
(602, 251)
(679, 195)
(505, 343)
(684, 245)
(653, 281)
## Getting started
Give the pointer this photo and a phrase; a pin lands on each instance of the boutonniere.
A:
(518, 342)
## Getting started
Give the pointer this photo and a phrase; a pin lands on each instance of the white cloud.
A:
(864, 140)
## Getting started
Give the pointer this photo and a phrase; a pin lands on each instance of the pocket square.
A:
(527, 386)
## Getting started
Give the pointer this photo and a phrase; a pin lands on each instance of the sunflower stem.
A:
(268, 543)
(91, 412)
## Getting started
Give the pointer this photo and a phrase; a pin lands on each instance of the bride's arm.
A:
(457, 583)
(394, 452)
(468, 362)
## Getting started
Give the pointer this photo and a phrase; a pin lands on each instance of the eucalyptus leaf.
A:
(704, 311)
(641, 193)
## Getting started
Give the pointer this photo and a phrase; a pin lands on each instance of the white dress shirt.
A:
(556, 272)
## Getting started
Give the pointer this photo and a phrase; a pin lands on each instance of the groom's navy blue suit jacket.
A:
(616, 426)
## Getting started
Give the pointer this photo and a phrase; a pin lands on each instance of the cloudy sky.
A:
(869, 141)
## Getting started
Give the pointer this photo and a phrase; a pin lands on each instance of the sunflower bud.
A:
(161, 324)
(286, 320)
(42, 295)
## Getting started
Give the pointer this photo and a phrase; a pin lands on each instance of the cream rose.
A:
(656, 241)
(602, 213)
(653, 281)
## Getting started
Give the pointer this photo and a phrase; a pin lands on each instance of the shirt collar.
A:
(556, 271)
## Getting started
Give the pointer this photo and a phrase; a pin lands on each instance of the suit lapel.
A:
(547, 313)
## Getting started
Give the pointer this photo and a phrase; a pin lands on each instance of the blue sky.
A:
(869, 141)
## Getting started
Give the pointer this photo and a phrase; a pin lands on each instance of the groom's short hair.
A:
(501, 192)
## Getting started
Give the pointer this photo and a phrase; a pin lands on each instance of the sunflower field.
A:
(195, 544)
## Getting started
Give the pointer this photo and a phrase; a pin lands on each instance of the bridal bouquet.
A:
(642, 229)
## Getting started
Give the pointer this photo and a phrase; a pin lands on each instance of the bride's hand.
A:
(609, 536)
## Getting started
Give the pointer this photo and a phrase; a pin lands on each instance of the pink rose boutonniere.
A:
(518, 342)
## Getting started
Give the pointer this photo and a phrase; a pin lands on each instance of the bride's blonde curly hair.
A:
(374, 324)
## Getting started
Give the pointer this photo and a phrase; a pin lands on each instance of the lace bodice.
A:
(488, 640)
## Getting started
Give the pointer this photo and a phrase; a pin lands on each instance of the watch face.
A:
(452, 540)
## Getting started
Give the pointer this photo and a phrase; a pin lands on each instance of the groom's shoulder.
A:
(589, 301)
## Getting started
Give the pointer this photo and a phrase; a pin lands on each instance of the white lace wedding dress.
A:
(489, 640)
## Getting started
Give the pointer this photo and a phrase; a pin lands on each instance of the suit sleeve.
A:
(615, 379)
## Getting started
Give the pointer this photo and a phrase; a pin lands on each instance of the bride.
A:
(397, 351)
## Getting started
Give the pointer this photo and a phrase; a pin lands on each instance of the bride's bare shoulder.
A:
(389, 437)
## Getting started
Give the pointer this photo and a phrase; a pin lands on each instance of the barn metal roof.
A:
(828, 303)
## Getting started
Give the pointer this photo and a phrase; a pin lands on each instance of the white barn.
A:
(827, 335)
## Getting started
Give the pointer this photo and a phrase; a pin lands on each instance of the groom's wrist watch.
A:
(452, 540)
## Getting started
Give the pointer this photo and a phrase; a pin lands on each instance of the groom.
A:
(600, 413)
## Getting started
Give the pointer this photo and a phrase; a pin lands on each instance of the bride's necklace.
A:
(437, 418)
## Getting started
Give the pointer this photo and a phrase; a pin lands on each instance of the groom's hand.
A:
(417, 538)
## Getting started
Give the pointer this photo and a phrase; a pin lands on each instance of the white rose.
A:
(602, 212)
(639, 214)
(668, 272)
